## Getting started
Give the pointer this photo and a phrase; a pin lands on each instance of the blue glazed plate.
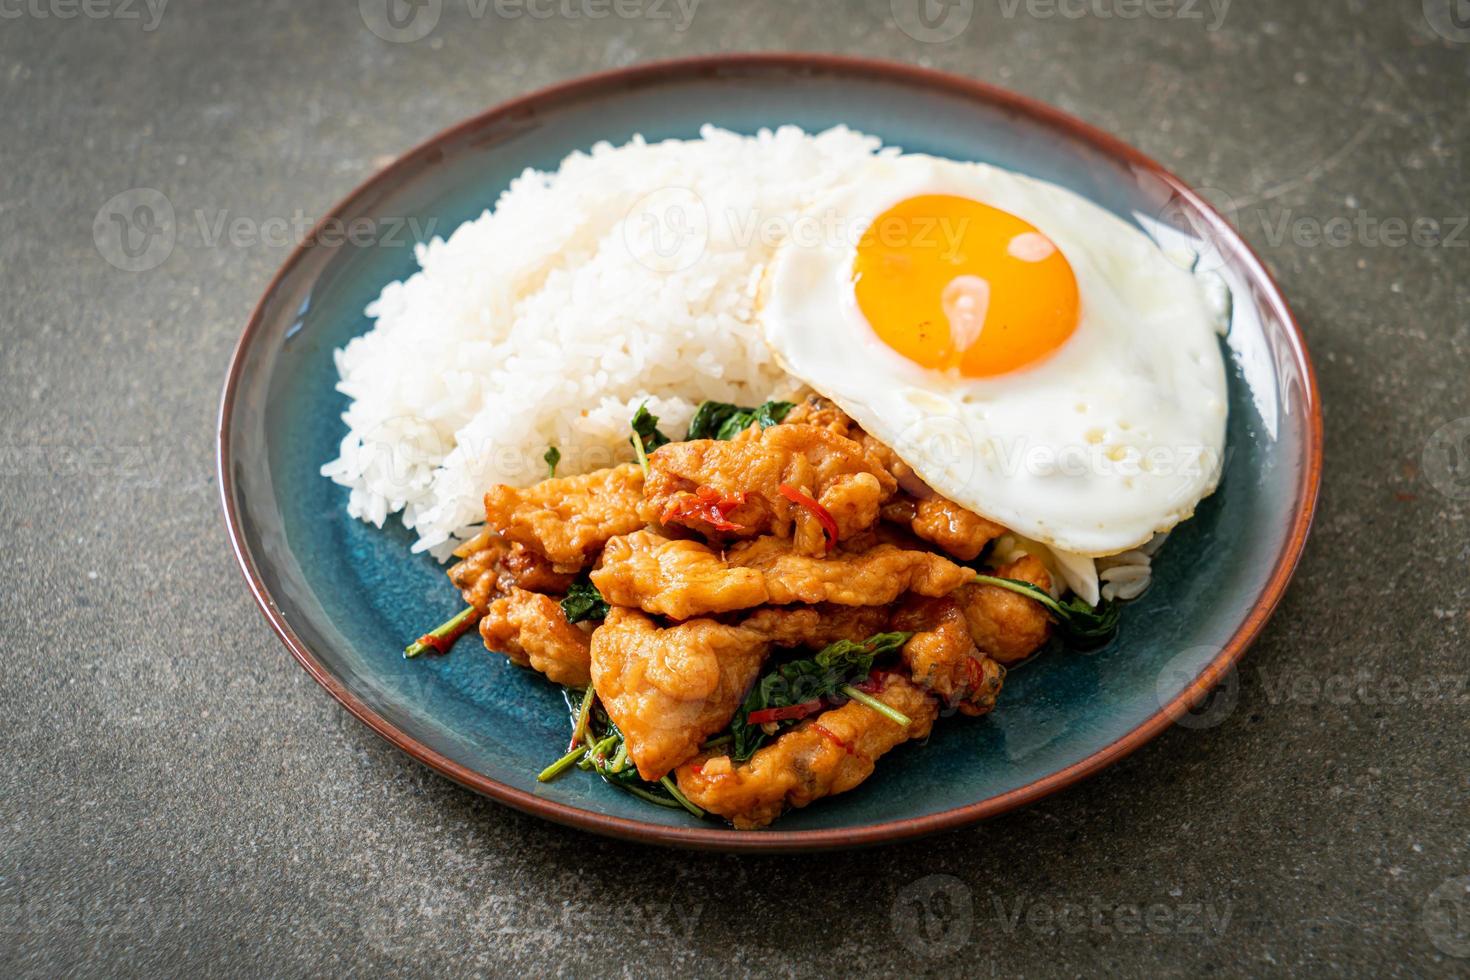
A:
(345, 596)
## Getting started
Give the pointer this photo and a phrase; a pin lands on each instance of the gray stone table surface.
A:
(179, 797)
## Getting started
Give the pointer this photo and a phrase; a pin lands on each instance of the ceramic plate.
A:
(345, 596)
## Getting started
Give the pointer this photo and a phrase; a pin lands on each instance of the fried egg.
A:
(1030, 355)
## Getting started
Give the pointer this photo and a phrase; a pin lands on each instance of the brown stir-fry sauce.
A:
(727, 556)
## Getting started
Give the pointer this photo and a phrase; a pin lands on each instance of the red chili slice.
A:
(873, 683)
(790, 712)
(829, 526)
(834, 737)
(976, 674)
(707, 505)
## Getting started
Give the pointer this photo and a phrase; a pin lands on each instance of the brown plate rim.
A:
(711, 838)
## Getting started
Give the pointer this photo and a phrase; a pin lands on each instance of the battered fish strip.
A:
(873, 577)
(568, 520)
(668, 690)
(681, 579)
(531, 630)
(826, 755)
(1008, 626)
(814, 627)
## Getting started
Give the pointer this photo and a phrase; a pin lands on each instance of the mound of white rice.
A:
(629, 274)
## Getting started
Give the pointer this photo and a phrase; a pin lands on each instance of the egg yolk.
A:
(951, 283)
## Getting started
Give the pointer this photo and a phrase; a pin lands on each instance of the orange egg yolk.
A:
(951, 283)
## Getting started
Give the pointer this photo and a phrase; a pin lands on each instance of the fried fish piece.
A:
(814, 627)
(683, 578)
(531, 630)
(747, 475)
(944, 524)
(569, 519)
(490, 564)
(674, 578)
(941, 656)
(935, 519)
(829, 754)
(1008, 626)
(872, 577)
(669, 689)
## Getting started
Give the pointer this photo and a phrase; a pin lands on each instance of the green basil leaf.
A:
(721, 420)
(709, 417)
(772, 413)
(798, 681)
(583, 601)
(645, 424)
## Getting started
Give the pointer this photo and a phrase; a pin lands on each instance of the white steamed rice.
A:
(629, 274)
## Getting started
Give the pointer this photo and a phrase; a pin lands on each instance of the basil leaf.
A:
(552, 457)
(800, 681)
(772, 413)
(721, 420)
(709, 417)
(645, 424)
(583, 601)
(853, 659)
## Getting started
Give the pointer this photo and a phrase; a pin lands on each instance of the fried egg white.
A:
(1032, 356)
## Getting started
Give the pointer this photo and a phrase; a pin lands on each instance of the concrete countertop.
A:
(178, 796)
